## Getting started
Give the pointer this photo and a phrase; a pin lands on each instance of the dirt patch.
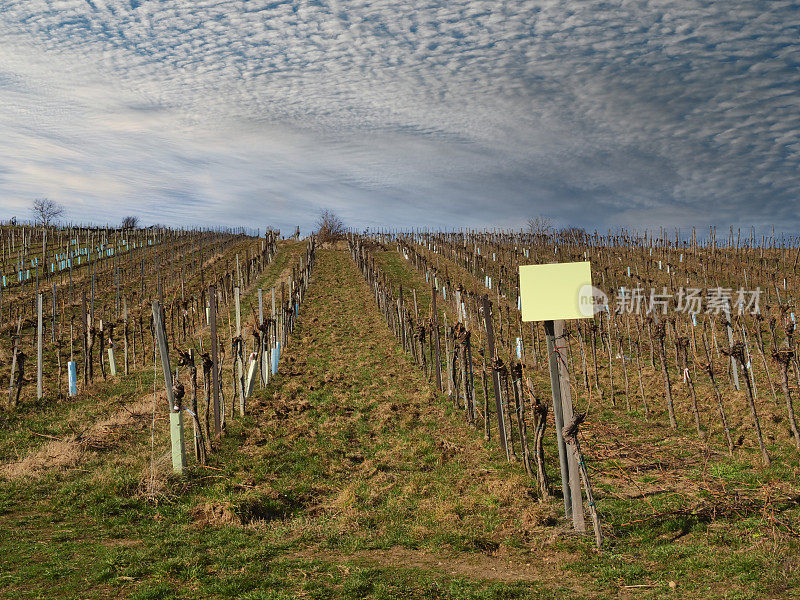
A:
(121, 543)
(211, 514)
(283, 408)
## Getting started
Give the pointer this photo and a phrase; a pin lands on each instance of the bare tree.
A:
(46, 212)
(130, 222)
(541, 225)
(330, 228)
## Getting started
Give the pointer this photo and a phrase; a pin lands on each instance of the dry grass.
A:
(69, 451)
(456, 564)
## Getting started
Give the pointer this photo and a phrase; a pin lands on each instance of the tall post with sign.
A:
(553, 293)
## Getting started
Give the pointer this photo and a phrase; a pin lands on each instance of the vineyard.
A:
(216, 414)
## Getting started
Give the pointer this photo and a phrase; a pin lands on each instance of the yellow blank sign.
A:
(558, 291)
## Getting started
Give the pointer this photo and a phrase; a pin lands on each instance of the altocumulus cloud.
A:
(636, 113)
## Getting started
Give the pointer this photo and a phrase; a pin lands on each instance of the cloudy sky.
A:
(639, 113)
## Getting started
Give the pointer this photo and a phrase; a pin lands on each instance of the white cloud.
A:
(456, 113)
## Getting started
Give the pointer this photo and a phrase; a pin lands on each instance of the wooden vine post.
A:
(212, 320)
(238, 356)
(17, 360)
(729, 329)
(175, 409)
(573, 507)
(39, 348)
(498, 399)
(125, 333)
(436, 335)
(261, 353)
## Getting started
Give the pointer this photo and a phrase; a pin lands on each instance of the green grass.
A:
(339, 484)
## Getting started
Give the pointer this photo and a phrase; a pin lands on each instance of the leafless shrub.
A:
(330, 227)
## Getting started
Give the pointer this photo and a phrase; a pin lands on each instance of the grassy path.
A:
(354, 460)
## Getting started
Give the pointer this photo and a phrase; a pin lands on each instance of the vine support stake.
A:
(501, 425)
(39, 348)
(175, 412)
(212, 318)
